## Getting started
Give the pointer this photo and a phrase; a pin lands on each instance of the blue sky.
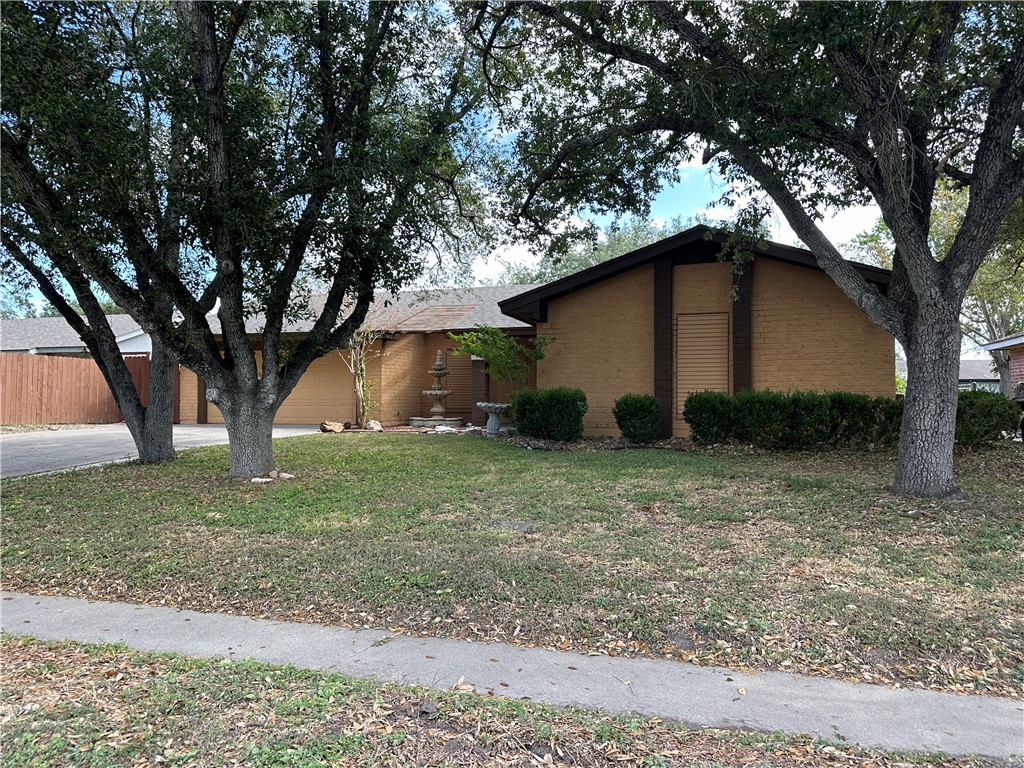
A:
(696, 193)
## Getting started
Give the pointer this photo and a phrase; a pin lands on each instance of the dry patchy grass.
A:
(802, 562)
(74, 705)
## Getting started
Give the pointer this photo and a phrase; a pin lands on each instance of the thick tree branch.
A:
(877, 307)
(211, 61)
(998, 168)
(601, 44)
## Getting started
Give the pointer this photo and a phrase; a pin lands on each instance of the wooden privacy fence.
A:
(43, 389)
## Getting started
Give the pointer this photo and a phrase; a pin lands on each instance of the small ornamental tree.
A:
(508, 361)
(356, 355)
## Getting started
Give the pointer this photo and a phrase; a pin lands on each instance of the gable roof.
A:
(970, 369)
(53, 334)
(700, 243)
(1007, 341)
(414, 311)
(451, 309)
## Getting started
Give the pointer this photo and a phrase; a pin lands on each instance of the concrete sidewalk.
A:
(869, 715)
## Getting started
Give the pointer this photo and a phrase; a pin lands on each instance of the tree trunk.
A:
(1001, 361)
(151, 426)
(156, 442)
(924, 466)
(358, 368)
(250, 425)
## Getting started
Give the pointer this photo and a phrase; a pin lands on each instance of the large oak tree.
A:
(225, 156)
(813, 105)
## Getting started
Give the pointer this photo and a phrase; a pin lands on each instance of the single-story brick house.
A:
(1014, 347)
(660, 321)
(974, 374)
(417, 324)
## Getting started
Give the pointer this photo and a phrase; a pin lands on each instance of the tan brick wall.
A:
(326, 392)
(697, 289)
(602, 344)
(401, 374)
(189, 386)
(807, 335)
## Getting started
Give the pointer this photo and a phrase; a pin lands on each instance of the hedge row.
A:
(777, 421)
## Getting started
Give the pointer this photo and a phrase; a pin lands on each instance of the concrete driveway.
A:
(30, 453)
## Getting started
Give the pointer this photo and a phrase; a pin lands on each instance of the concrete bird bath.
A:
(494, 412)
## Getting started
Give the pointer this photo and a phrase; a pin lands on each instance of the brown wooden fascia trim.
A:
(663, 346)
(742, 333)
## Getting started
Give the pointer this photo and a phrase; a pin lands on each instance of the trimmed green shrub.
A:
(854, 417)
(812, 420)
(762, 419)
(638, 417)
(984, 416)
(550, 414)
(709, 415)
(888, 418)
(799, 420)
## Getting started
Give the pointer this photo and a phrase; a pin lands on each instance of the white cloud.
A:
(494, 263)
(839, 226)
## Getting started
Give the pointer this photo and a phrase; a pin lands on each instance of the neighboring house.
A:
(974, 374)
(660, 321)
(53, 336)
(1014, 346)
(416, 325)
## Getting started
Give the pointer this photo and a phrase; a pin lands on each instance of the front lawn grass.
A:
(75, 705)
(802, 562)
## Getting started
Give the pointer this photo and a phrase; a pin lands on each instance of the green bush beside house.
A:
(801, 420)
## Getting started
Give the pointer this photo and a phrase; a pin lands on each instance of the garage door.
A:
(326, 392)
(702, 354)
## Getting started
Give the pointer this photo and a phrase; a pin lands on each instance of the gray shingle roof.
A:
(426, 310)
(449, 309)
(446, 310)
(970, 370)
(52, 333)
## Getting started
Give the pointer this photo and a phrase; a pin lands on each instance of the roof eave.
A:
(54, 350)
(1004, 343)
(530, 306)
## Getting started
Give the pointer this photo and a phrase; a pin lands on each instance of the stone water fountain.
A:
(438, 394)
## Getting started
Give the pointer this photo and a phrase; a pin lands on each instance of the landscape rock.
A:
(333, 426)
(374, 426)
(443, 430)
(427, 708)
(272, 473)
(261, 480)
(285, 476)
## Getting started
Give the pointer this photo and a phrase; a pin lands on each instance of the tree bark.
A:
(250, 426)
(1001, 361)
(156, 441)
(924, 465)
